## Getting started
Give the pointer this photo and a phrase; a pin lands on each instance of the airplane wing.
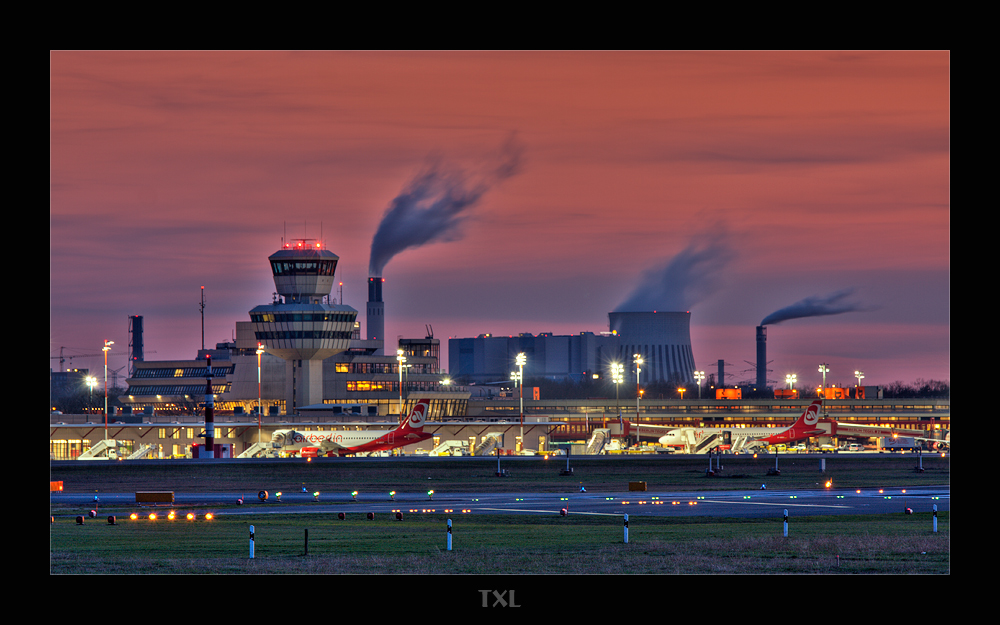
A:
(852, 429)
(327, 445)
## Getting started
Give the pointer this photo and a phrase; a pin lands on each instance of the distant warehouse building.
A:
(489, 358)
(663, 339)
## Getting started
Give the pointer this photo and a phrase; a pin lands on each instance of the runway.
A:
(733, 504)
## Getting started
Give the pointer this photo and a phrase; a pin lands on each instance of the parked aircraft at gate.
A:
(804, 427)
(346, 442)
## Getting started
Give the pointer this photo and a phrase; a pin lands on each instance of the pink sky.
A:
(815, 171)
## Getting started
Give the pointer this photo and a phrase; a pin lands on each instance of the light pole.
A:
(860, 375)
(617, 376)
(521, 360)
(790, 379)
(401, 359)
(699, 376)
(638, 361)
(260, 350)
(91, 382)
(106, 349)
(824, 369)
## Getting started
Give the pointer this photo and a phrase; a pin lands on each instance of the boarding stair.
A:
(740, 442)
(454, 448)
(141, 452)
(258, 448)
(490, 442)
(597, 441)
(101, 450)
(706, 444)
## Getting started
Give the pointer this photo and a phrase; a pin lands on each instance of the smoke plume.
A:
(685, 280)
(434, 204)
(815, 306)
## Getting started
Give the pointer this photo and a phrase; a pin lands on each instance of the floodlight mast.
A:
(522, 359)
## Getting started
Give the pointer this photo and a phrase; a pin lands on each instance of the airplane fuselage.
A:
(348, 441)
(770, 436)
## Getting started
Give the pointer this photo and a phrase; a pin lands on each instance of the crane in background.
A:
(62, 357)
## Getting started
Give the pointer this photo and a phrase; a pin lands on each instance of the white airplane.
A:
(853, 430)
(804, 427)
(345, 442)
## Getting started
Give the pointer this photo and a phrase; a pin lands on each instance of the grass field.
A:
(490, 545)
(498, 544)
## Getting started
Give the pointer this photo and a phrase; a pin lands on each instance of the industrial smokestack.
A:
(135, 342)
(375, 324)
(761, 358)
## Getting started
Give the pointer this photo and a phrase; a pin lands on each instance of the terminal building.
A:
(548, 424)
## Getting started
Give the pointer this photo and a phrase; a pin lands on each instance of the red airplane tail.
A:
(415, 421)
(809, 419)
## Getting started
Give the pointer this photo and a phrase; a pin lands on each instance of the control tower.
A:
(298, 326)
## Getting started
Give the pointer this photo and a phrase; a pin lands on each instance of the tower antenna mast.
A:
(203, 317)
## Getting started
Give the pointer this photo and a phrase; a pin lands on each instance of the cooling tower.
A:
(663, 339)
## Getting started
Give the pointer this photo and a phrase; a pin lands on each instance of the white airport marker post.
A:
(626, 529)
(449, 534)
(251, 542)
(786, 523)
(935, 518)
